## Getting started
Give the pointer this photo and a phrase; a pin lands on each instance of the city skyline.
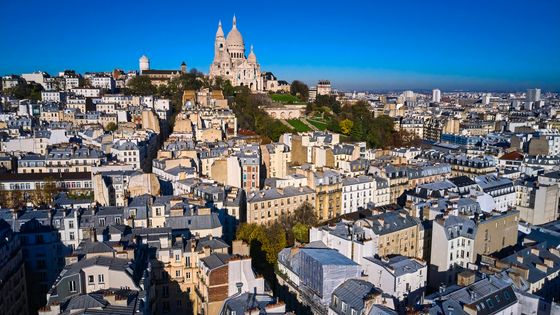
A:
(380, 46)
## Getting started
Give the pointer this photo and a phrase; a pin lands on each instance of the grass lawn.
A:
(298, 125)
(285, 98)
(319, 125)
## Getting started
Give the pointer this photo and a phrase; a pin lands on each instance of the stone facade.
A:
(231, 63)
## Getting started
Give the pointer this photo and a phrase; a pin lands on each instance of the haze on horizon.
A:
(389, 45)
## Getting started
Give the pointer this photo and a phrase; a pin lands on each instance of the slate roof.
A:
(455, 226)
(353, 292)
(244, 302)
(530, 260)
(216, 260)
(399, 265)
(392, 221)
(194, 222)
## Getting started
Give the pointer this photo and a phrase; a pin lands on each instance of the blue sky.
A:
(485, 45)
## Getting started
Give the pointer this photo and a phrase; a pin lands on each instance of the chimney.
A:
(240, 248)
(549, 262)
(206, 251)
(541, 267)
(110, 297)
(554, 251)
(92, 235)
(203, 211)
(465, 278)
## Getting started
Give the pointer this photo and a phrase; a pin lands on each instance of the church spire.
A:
(219, 32)
(234, 21)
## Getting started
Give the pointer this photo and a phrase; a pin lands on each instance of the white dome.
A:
(252, 58)
(144, 58)
(234, 38)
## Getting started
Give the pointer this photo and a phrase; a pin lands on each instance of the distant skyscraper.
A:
(436, 96)
(533, 95)
(486, 98)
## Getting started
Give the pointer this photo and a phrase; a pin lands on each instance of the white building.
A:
(357, 192)
(436, 96)
(501, 189)
(127, 152)
(324, 87)
(53, 96)
(230, 62)
(144, 63)
(533, 95)
(87, 92)
(402, 277)
(454, 241)
(38, 77)
(103, 82)
(71, 82)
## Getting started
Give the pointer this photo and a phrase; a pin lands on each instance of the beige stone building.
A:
(270, 205)
(276, 157)
(395, 233)
(327, 184)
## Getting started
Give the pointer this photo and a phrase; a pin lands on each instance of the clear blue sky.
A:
(452, 44)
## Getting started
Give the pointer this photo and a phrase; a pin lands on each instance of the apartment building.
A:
(270, 205)
(12, 273)
(276, 157)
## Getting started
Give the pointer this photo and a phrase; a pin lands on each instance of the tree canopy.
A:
(300, 89)
(31, 91)
(250, 116)
(141, 85)
(358, 122)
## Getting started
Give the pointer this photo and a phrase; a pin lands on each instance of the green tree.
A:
(111, 126)
(300, 89)
(273, 242)
(31, 91)
(346, 126)
(301, 232)
(357, 132)
(269, 239)
(141, 85)
(330, 102)
(224, 85)
(247, 109)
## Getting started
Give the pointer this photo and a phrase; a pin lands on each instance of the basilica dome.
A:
(252, 58)
(234, 38)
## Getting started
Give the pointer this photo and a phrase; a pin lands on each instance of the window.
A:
(353, 311)
(72, 286)
(71, 224)
(72, 237)
(188, 275)
(101, 278)
(177, 273)
(102, 222)
(177, 257)
(335, 301)
(90, 279)
(344, 307)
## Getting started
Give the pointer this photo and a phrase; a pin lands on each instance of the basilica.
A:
(231, 63)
